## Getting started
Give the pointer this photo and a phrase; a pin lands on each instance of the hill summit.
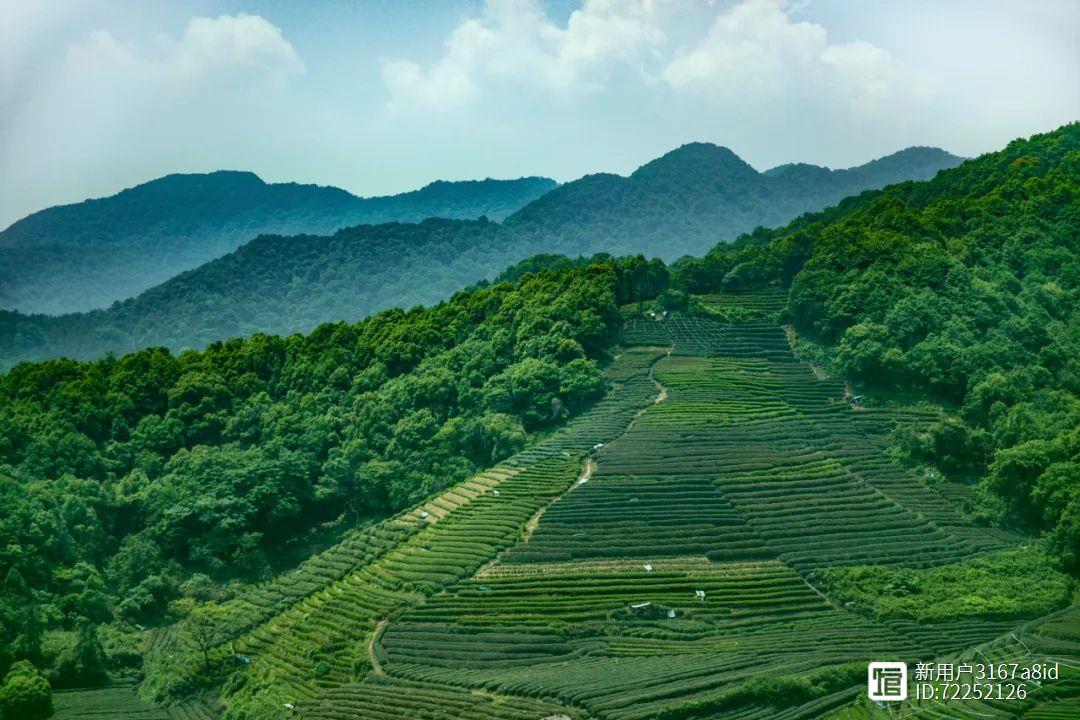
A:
(698, 194)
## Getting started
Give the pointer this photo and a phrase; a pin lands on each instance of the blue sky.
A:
(379, 97)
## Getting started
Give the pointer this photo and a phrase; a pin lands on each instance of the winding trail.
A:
(661, 393)
(376, 666)
(587, 470)
(589, 466)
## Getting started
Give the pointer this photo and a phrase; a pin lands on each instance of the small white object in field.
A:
(648, 568)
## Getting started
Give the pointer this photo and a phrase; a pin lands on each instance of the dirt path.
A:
(586, 473)
(661, 395)
(375, 666)
(587, 469)
(663, 392)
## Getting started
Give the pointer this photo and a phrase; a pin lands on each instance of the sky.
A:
(383, 96)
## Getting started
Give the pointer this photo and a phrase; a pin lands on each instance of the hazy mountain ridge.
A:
(90, 254)
(684, 201)
(699, 194)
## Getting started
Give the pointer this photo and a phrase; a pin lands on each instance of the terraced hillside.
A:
(314, 629)
(672, 553)
(764, 304)
(120, 701)
(115, 701)
(1055, 638)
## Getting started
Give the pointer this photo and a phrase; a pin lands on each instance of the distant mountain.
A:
(87, 255)
(275, 284)
(683, 202)
(700, 194)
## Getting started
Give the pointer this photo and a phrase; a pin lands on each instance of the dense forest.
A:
(682, 202)
(964, 289)
(130, 483)
(90, 254)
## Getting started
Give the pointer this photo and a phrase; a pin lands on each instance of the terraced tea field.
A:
(1055, 638)
(758, 304)
(312, 630)
(656, 558)
(117, 701)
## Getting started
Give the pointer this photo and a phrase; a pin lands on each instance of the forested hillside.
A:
(964, 288)
(130, 483)
(275, 284)
(698, 195)
(682, 202)
(87, 255)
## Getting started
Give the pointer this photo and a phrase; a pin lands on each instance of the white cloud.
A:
(750, 74)
(514, 46)
(743, 67)
(866, 74)
(755, 55)
(749, 47)
(752, 52)
(237, 42)
(218, 67)
(230, 48)
(122, 113)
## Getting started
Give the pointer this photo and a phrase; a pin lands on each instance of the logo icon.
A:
(887, 681)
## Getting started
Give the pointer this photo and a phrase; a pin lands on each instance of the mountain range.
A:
(84, 256)
(697, 195)
(683, 202)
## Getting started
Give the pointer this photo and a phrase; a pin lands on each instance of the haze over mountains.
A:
(681, 203)
(87, 255)
(697, 195)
